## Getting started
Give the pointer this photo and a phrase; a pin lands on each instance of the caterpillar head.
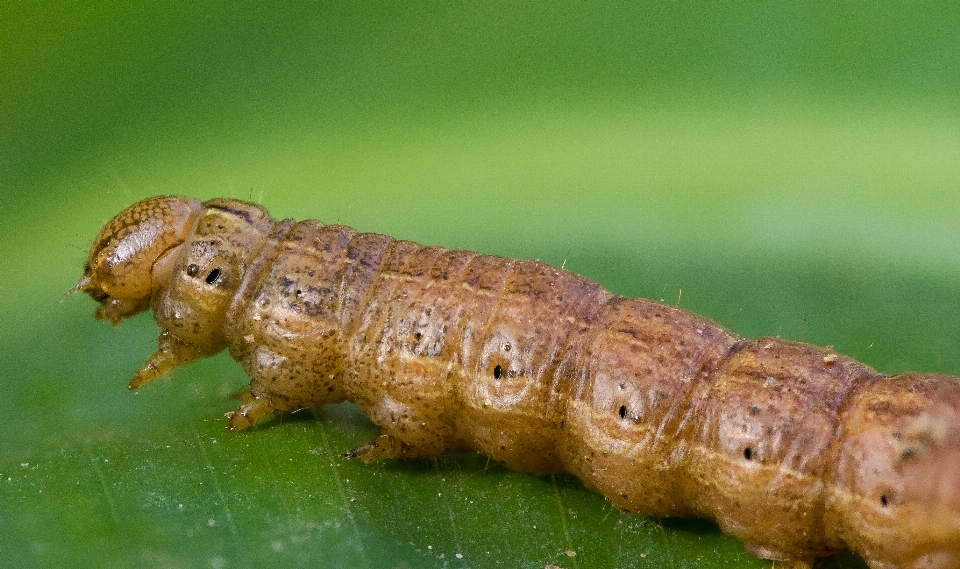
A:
(133, 255)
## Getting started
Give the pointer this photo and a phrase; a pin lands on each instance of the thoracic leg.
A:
(171, 353)
(381, 447)
(249, 412)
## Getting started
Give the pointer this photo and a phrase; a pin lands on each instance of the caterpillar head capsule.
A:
(133, 255)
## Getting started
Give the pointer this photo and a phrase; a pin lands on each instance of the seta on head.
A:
(133, 254)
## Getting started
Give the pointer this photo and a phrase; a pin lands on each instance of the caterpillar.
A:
(795, 450)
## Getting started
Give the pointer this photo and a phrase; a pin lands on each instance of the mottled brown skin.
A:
(795, 450)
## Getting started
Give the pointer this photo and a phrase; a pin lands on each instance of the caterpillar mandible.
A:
(795, 450)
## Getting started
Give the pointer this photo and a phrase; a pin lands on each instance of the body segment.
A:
(795, 450)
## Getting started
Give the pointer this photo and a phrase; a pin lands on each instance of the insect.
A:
(795, 450)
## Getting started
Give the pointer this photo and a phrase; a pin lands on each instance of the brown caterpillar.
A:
(795, 450)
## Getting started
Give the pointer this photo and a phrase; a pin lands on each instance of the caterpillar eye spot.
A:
(497, 372)
(622, 411)
(748, 453)
(884, 501)
(417, 336)
(213, 276)
(193, 269)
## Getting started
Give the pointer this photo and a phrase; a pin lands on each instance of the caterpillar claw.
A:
(248, 414)
(152, 369)
(380, 448)
(359, 451)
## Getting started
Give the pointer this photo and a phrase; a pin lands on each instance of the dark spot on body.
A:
(623, 411)
(497, 372)
(213, 276)
(748, 453)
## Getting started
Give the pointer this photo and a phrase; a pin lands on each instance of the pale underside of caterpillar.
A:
(795, 450)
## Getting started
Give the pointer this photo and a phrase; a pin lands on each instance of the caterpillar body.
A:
(795, 450)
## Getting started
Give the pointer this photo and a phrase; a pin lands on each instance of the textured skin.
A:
(795, 450)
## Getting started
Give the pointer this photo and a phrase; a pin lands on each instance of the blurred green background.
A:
(786, 169)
